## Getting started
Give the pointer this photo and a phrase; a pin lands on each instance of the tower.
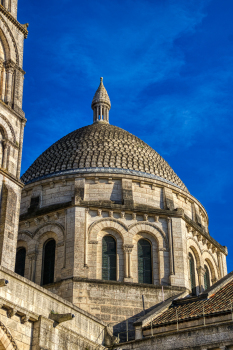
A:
(12, 122)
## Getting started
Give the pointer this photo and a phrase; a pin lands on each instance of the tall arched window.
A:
(20, 261)
(192, 274)
(206, 277)
(109, 258)
(48, 262)
(144, 262)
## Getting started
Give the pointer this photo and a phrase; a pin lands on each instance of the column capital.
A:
(201, 271)
(128, 248)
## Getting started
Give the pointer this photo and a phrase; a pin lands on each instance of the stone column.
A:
(20, 148)
(220, 263)
(171, 253)
(128, 250)
(10, 72)
(1, 80)
(6, 3)
(32, 266)
(5, 154)
(201, 273)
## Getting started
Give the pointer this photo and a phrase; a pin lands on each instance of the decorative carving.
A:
(99, 212)
(93, 242)
(128, 248)
(145, 216)
(110, 214)
(10, 127)
(56, 216)
(110, 180)
(37, 221)
(11, 312)
(46, 218)
(134, 216)
(27, 224)
(24, 318)
(156, 218)
(9, 336)
(12, 38)
(123, 215)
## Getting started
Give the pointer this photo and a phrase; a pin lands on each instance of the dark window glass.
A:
(192, 274)
(109, 258)
(48, 262)
(20, 261)
(144, 262)
(206, 277)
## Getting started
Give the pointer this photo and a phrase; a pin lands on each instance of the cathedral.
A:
(101, 243)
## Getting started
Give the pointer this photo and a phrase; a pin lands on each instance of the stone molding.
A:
(126, 228)
(21, 27)
(49, 224)
(12, 38)
(12, 344)
(10, 127)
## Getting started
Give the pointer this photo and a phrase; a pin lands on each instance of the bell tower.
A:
(12, 122)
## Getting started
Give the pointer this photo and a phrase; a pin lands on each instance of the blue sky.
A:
(168, 69)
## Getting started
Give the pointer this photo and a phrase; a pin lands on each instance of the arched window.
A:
(48, 262)
(144, 262)
(20, 261)
(109, 258)
(206, 278)
(192, 274)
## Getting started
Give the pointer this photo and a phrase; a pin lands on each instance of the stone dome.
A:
(101, 147)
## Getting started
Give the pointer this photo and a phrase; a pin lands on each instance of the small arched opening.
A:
(192, 274)
(109, 258)
(20, 261)
(144, 262)
(48, 261)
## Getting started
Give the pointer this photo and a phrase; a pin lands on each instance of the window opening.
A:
(108, 258)
(144, 262)
(48, 262)
(192, 274)
(20, 261)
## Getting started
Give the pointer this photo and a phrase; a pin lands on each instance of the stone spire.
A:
(101, 104)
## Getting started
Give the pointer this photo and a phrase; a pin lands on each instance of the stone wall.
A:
(216, 336)
(25, 312)
(114, 302)
(105, 188)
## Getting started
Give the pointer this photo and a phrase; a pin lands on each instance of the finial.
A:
(101, 104)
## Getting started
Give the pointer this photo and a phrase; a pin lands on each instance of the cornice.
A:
(11, 178)
(21, 27)
(21, 117)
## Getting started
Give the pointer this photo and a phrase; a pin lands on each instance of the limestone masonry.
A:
(100, 237)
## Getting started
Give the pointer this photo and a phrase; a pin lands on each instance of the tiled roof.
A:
(219, 302)
(101, 145)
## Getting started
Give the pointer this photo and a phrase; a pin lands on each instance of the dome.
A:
(101, 147)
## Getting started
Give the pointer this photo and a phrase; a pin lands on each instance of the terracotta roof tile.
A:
(219, 302)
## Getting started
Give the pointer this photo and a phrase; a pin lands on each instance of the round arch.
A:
(6, 338)
(151, 229)
(107, 223)
(210, 261)
(12, 53)
(6, 126)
